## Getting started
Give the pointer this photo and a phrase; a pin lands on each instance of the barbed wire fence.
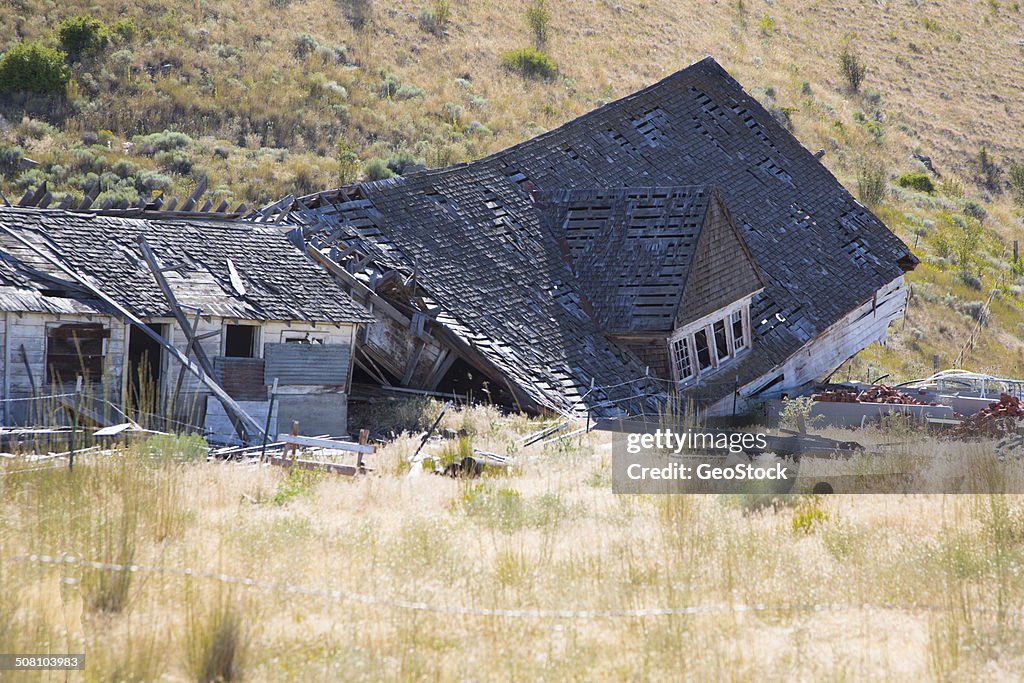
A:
(335, 595)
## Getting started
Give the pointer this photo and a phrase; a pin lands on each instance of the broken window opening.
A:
(721, 340)
(700, 342)
(240, 341)
(304, 338)
(75, 350)
(739, 335)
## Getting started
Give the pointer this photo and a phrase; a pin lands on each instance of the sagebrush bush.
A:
(530, 63)
(10, 159)
(916, 181)
(33, 67)
(81, 36)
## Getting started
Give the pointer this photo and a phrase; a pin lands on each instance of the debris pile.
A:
(878, 393)
(998, 419)
(883, 394)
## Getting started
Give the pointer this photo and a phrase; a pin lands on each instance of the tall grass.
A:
(549, 536)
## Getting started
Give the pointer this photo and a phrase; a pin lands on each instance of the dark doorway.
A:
(144, 368)
(240, 341)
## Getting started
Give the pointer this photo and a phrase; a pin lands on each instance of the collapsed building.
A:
(679, 240)
(95, 308)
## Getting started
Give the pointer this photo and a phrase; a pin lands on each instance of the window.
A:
(681, 353)
(73, 350)
(710, 343)
(304, 338)
(240, 341)
(721, 340)
(739, 338)
(700, 344)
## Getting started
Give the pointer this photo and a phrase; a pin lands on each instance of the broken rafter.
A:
(234, 411)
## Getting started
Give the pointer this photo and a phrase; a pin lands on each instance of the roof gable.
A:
(630, 249)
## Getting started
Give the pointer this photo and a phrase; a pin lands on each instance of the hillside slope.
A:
(263, 93)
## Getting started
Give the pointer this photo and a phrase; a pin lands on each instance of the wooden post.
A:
(266, 430)
(364, 438)
(293, 453)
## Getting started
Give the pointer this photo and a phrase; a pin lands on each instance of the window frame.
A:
(686, 338)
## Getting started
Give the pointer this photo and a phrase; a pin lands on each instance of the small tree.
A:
(538, 17)
(851, 68)
(988, 173)
(965, 243)
(81, 36)
(871, 184)
(348, 163)
(1017, 183)
(34, 68)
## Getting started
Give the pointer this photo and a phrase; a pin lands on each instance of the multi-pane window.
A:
(738, 335)
(703, 349)
(681, 353)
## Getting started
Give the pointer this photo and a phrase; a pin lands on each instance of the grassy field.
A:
(943, 574)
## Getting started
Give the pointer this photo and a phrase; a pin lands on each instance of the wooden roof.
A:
(473, 233)
(278, 281)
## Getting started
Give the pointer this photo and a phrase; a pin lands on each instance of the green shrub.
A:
(975, 210)
(988, 173)
(404, 161)
(435, 19)
(80, 36)
(377, 169)
(348, 163)
(174, 161)
(809, 516)
(766, 26)
(34, 68)
(871, 184)
(916, 181)
(851, 68)
(10, 159)
(388, 86)
(530, 63)
(123, 31)
(161, 142)
(1017, 183)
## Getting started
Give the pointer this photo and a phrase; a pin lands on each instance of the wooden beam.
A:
(410, 368)
(315, 442)
(204, 377)
(232, 409)
(356, 284)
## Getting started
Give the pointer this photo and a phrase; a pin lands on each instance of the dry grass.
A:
(551, 536)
